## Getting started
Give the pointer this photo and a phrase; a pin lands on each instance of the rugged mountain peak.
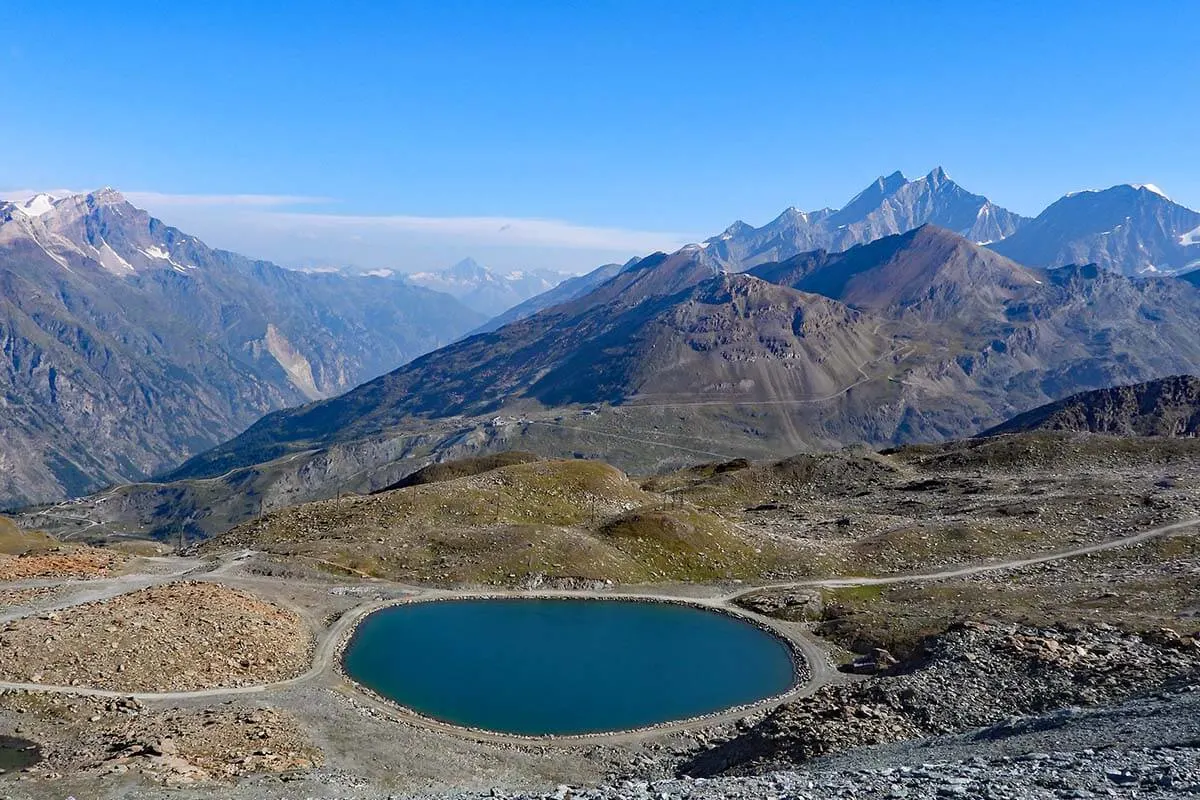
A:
(891, 204)
(107, 196)
(470, 269)
(1128, 228)
(738, 228)
(1150, 187)
(870, 198)
(937, 175)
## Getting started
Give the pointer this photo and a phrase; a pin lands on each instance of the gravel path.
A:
(821, 672)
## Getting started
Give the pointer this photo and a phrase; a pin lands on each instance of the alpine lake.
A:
(563, 667)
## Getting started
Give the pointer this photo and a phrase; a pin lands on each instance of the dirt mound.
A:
(461, 468)
(655, 526)
(833, 473)
(62, 562)
(176, 637)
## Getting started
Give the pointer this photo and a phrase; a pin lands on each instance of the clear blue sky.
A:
(669, 118)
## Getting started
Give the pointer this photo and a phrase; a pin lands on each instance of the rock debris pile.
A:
(972, 676)
(181, 636)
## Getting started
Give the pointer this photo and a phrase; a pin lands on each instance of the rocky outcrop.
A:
(1167, 407)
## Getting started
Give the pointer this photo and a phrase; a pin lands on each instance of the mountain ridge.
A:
(1165, 407)
(933, 335)
(487, 291)
(129, 344)
(1129, 228)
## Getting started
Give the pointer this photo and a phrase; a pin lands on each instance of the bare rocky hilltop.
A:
(1167, 407)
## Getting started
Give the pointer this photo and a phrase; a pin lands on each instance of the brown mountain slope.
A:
(732, 367)
(929, 273)
(729, 338)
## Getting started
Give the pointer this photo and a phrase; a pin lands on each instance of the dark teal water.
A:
(18, 753)
(539, 667)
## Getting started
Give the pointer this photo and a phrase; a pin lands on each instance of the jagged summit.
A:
(889, 205)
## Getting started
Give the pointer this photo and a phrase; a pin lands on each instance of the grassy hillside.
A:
(14, 541)
(562, 518)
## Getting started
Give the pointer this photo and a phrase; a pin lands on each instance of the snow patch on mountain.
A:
(37, 205)
(154, 251)
(1150, 187)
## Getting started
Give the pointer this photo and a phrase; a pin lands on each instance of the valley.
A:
(903, 562)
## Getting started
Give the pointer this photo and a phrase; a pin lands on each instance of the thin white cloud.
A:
(24, 194)
(488, 230)
(222, 200)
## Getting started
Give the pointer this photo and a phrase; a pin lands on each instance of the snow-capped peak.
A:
(1150, 187)
(37, 205)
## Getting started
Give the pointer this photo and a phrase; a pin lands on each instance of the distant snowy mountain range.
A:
(485, 290)
(129, 345)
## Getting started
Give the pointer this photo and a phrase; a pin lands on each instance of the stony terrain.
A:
(123, 737)
(64, 562)
(1105, 633)
(180, 636)
(1140, 772)
(962, 675)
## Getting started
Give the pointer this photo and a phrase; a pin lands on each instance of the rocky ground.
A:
(1078, 645)
(122, 737)
(66, 562)
(957, 685)
(1141, 772)
(175, 637)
